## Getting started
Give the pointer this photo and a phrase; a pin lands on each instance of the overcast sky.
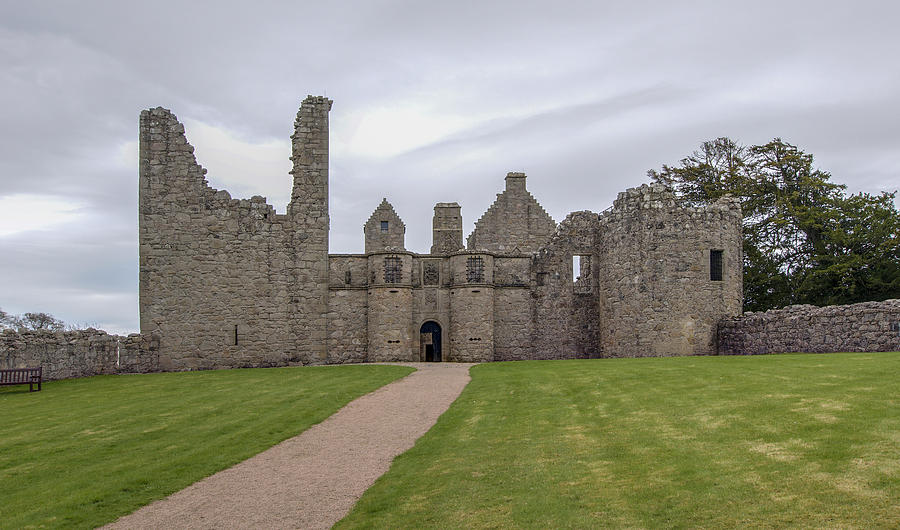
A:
(433, 101)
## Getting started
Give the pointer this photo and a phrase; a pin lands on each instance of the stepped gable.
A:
(384, 231)
(514, 224)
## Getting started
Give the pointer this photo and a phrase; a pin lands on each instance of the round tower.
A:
(391, 333)
(472, 307)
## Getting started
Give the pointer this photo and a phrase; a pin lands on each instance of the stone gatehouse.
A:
(231, 283)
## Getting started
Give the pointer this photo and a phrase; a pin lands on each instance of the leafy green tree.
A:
(805, 241)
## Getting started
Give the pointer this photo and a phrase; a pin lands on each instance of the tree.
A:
(805, 241)
(6, 320)
(35, 321)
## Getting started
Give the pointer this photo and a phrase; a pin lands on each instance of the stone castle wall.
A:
(657, 296)
(229, 283)
(559, 309)
(863, 327)
(82, 353)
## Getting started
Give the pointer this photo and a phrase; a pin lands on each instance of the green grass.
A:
(768, 441)
(83, 452)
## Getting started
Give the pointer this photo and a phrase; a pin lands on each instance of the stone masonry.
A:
(230, 283)
(863, 327)
(227, 283)
(67, 354)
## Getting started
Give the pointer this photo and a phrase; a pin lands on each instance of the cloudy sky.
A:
(433, 101)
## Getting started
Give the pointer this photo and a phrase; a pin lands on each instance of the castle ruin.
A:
(231, 283)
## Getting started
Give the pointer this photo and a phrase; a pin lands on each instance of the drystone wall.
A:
(863, 327)
(82, 353)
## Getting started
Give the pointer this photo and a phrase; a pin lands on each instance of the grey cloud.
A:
(583, 96)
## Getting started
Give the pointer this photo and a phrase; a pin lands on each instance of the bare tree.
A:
(35, 321)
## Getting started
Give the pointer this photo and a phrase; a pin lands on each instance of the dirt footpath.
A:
(312, 480)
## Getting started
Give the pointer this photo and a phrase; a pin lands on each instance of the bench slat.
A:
(22, 376)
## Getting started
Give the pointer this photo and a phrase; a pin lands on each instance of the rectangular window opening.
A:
(715, 265)
(393, 270)
(384, 227)
(581, 273)
(235, 335)
(475, 269)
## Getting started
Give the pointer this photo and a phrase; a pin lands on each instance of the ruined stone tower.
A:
(229, 283)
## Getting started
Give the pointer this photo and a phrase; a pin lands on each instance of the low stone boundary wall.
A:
(82, 353)
(864, 327)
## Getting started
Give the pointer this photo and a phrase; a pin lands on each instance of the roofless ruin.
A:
(230, 283)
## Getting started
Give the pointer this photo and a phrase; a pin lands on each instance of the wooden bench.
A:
(22, 376)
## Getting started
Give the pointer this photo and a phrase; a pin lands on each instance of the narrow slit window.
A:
(347, 277)
(235, 335)
(715, 265)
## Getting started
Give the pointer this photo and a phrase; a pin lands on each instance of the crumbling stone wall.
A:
(567, 319)
(514, 224)
(230, 283)
(82, 353)
(863, 327)
(656, 292)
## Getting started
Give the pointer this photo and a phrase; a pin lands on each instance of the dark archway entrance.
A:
(430, 340)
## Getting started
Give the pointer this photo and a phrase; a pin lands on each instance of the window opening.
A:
(384, 227)
(235, 335)
(581, 273)
(393, 270)
(347, 277)
(475, 269)
(715, 265)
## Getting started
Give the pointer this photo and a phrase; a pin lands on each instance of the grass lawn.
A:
(83, 452)
(768, 441)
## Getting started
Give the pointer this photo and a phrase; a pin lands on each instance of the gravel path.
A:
(312, 480)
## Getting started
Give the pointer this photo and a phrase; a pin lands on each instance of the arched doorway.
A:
(430, 341)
